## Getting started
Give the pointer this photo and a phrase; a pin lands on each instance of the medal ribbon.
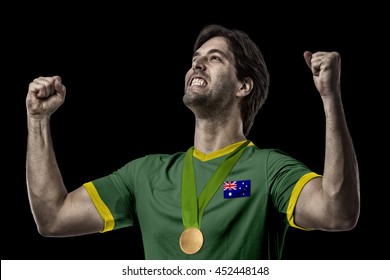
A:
(193, 208)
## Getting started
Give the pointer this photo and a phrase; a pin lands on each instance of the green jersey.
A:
(247, 217)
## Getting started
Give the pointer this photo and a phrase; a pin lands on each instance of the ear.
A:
(245, 88)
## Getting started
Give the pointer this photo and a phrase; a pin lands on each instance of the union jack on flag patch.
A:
(235, 189)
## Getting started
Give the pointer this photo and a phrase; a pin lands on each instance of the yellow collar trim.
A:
(218, 153)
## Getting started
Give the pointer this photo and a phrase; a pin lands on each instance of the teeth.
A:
(198, 82)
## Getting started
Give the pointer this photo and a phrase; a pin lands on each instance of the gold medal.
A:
(191, 240)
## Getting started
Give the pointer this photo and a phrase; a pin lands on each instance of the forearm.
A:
(341, 174)
(46, 190)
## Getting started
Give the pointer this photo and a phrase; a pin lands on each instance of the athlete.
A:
(223, 198)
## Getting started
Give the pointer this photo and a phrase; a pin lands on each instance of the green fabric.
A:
(147, 192)
(193, 208)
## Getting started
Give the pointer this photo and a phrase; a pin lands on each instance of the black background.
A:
(124, 72)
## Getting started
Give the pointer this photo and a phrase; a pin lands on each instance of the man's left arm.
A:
(331, 203)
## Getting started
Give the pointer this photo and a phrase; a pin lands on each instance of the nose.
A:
(198, 64)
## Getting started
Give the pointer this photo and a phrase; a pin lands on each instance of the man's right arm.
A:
(56, 211)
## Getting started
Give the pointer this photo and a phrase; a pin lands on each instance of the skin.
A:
(56, 212)
(213, 63)
(333, 202)
(329, 203)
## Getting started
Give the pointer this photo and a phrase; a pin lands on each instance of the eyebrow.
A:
(213, 51)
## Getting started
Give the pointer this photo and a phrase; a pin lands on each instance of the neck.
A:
(210, 137)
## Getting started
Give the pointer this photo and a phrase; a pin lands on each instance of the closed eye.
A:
(216, 58)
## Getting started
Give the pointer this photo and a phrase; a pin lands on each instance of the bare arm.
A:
(56, 212)
(333, 202)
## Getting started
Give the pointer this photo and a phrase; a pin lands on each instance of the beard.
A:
(213, 104)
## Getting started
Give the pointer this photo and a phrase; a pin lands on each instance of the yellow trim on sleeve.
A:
(102, 208)
(294, 197)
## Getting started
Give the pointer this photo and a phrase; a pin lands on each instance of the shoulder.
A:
(157, 159)
(274, 158)
(268, 152)
(161, 157)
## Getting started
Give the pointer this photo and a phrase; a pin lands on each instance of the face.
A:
(211, 83)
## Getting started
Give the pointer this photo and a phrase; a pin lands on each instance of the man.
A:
(224, 198)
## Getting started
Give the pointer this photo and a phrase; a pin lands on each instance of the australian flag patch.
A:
(235, 189)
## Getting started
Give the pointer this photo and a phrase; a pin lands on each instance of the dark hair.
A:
(249, 62)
